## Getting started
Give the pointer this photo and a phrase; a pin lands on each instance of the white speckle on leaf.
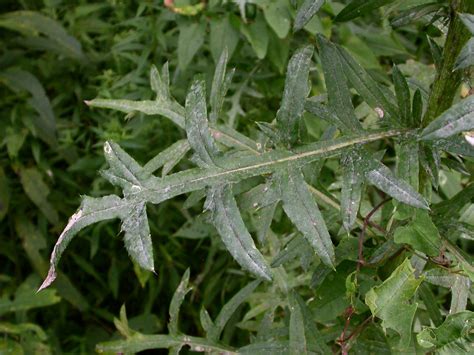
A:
(379, 112)
(259, 146)
(135, 188)
(255, 205)
(107, 148)
(469, 137)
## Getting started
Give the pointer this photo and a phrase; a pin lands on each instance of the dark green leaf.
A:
(191, 38)
(403, 96)
(358, 8)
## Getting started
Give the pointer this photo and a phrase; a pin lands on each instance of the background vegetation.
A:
(56, 55)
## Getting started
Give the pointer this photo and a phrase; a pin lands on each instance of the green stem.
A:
(447, 80)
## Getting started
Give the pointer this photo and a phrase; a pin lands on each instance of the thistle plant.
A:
(285, 164)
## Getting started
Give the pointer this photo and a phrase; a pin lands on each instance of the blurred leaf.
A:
(257, 34)
(306, 11)
(191, 38)
(277, 15)
(358, 8)
(229, 308)
(176, 302)
(456, 119)
(466, 57)
(37, 190)
(454, 336)
(222, 35)
(5, 194)
(18, 80)
(32, 23)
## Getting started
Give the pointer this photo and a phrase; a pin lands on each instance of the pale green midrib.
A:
(166, 188)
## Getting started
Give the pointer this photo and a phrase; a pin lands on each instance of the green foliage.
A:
(325, 207)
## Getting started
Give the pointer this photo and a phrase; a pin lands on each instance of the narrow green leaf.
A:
(468, 20)
(324, 112)
(123, 170)
(277, 15)
(191, 38)
(431, 304)
(197, 127)
(21, 80)
(407, 162)
(295, 247)
(414, 13)
(235, 236)
(176, 302)
(451, 337)
(417, 108)
(26, 299)
(391, 301)
(303, 211)
(141, 342)
(160, 85)
(459, 294)
(257, 34)
(229, 308)
(167, 158)
(220, 85)
(381, 177)
(403, 96)
(466, 57)
(358, 8)
(339, 96)
(367, 87)
(206, 322)
(296, 91)
(37, 190)
(33, 23)
(306, 11)
(168, 109)
(297, 331)
(456, 119)
(421, 234)
(222, 35)
(137, 236)
(92, 210)
(351, 190)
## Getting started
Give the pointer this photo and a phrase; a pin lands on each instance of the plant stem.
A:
(447, 80)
